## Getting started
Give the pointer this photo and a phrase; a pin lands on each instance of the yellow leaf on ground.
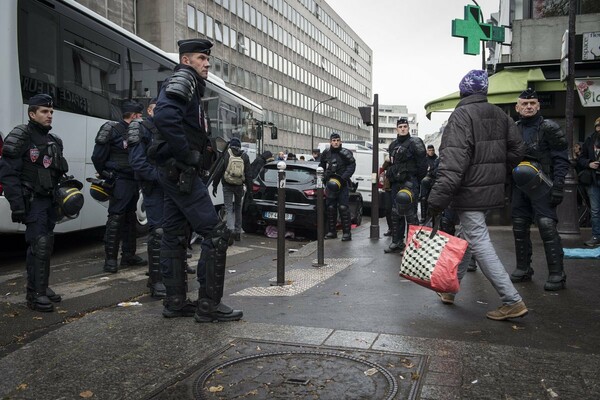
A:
(22, 386)
(86, 394)
(214, 389)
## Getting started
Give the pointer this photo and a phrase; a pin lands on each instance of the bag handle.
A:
(435, 225)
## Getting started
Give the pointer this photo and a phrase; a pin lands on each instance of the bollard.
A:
(281, 223)
(320, 220)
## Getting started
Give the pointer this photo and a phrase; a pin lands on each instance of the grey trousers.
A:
(232, 199)
(476, 233)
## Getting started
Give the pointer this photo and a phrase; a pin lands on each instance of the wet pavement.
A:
(353, 329)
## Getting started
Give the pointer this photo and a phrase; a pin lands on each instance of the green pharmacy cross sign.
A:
(473, 31)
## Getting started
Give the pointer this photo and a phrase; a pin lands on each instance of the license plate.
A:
(273, 215)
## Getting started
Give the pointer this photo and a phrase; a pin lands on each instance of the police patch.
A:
(47, 161)
(124, 144)
(34, 153)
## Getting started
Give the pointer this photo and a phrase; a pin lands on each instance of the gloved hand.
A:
(433, 212)
(194, 159)
(556, 195)
(18, 216)
(214, 191)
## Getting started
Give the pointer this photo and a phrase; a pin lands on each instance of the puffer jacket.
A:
(480, 146)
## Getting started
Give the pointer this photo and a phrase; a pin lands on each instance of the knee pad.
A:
(521, 227)
(42, 246)
(219, 237)
(547, 227)
(343, 208)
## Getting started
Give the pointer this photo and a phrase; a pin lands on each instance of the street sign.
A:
(473, 31)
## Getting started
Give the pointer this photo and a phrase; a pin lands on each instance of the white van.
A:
(364, 167)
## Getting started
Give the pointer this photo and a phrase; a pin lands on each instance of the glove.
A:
(214, 192)
(433, 212)
(194, 159)
(18, 216)
(556, 195)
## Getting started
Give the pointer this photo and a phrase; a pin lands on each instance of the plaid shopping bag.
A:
(431, 258)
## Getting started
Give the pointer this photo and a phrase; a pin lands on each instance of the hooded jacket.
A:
(480, 146)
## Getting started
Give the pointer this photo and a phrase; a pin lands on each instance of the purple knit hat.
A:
(475, 81)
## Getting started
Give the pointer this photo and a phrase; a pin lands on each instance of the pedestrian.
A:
(180, 119)
(589, 159)
(31, 166)
(234, 173)
(258, 163)
(316, 153)
(140, 135)
(479, 143)
(547, 148)
(338, 164)
(111, 160)
(427, 181)
(291, 157)
(281, 156)
(408, 167)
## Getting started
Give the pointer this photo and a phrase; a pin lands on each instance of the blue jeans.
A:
(593, 192)
(476, 233)
(232, 199)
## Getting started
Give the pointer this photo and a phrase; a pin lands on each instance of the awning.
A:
(504, 88)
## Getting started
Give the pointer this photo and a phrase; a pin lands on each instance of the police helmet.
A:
(100, 190)
(404, 201)
(334, 185)
(531, 180)
(69, 198)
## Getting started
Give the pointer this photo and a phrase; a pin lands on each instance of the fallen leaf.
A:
(61, 311)
(336, 293)
(407, 363)
(414, 376)
(86, 394)
(38, 318)
(12, 314)
(370, 371)
(22, 386)
(215, 389)
(253, 392)
(258, 348)
(517, 328)
(474, 382)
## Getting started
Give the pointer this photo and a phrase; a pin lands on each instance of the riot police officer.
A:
(31, 167)
(339, 165)
(139, 138)
(547, 149)
(111, 161)
(409, 167)
(178, 151)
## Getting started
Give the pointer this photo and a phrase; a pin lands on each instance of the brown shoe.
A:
(508, 311)
(447, 298)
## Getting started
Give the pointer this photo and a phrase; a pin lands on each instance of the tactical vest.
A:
(404, 161)
(118, 148)
(535, 149)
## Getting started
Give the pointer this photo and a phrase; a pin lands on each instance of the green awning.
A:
(505, 87)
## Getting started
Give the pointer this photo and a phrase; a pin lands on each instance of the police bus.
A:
(90, 65)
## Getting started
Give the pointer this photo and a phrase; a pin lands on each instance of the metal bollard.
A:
(320, 221)
(281, 223)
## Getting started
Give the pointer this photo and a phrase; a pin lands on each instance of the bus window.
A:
(38, 38)
(147, 76)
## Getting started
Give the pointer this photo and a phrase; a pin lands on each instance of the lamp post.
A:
(312, 125)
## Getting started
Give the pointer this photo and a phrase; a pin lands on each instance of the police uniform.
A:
(339, 166)
(408, 167)
(111, 160)
(547, 147)
(178, 150)
(31, 166)
(139, 139)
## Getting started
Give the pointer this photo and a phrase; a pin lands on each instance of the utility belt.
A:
(183, 174)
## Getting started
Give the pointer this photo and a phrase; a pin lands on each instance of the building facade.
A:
(388, 116)
(296, 58)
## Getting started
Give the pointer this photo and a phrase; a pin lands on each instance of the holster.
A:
(186, 180)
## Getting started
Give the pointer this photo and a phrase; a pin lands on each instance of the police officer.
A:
(547, 148)
(111, 161)
(427, 182)
(409, 166)
(139, 138)
(339, 165)
(31, 166)
(182, 140)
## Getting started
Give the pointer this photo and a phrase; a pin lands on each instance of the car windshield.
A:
(293, 174)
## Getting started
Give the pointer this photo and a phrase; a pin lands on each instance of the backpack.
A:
(234, 173)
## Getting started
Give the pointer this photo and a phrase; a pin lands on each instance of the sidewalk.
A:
(358, 321)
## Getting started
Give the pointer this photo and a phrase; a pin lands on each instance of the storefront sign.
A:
(591, 46)
(589, 92)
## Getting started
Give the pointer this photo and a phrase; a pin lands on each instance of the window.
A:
(226, 35)
(201, 27)
(225, 74)
(233, 38)
(218, 32)
(246, 12)
(215, 66)
(191, 13)
(253, 16)
(209, 27)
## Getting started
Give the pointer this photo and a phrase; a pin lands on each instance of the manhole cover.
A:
(263, 370)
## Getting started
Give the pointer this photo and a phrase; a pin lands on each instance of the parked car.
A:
(300, 199)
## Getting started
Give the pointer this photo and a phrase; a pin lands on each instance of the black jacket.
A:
(221, 171)
(338, 161)
(480, 145)
(588, 155)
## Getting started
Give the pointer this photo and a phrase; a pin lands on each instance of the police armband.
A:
(103, 135)
(181, 85)
(16, 142)
(134, 134)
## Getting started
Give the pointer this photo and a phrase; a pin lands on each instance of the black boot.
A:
(39, 251)
(112, 237)
(521, 232)
(557, 279)
(129, 235)
(397, 246)
(176, 304)
(331, 223)
(214, 257)
(155, 283)
(346, 223)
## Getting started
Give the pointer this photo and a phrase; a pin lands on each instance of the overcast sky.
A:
(415, 57)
